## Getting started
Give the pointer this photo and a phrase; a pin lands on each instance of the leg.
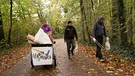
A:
(68, 47)
(73, 46)
(98, 51)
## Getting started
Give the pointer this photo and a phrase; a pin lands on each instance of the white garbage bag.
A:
(76, 47)
(42, 38)
(30, 37)
(107, 44)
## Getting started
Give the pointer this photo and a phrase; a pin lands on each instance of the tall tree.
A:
(1, 27)
(88, 8)
(82, 19)
(130, 23)
(122, 20)
(134, 15)
(39, 10)
(10, 28)
(114, 21)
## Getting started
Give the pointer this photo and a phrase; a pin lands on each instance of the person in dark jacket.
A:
(69, 35)
(97, 34)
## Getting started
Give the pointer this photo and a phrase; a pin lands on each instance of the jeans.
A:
(70, 46)
(98, 49)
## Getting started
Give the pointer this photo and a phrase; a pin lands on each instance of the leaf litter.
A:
(12, 57)
(114, 63)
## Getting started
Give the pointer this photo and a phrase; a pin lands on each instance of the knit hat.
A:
(69, 22)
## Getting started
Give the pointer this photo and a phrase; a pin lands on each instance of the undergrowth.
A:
(125, 51)
(6, 48)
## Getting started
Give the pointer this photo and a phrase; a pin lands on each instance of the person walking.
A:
(69, 37)
(98, 32)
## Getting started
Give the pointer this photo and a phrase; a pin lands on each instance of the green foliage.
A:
(24, 21)
(28, 16)
(127, 52)
(115, 22)
(4, 47)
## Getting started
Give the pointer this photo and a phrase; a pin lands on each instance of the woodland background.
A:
(18, 18)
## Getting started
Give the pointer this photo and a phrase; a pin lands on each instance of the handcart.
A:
(43, 54)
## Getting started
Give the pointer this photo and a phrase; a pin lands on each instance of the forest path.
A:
(78, 65)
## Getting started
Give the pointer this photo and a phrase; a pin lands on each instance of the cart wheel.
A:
(31, 61)
(54, 61)
(32, 64)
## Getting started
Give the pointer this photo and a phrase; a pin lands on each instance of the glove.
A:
(94, 39)
(107, 39)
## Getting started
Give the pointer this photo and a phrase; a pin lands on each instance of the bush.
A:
(4, 46)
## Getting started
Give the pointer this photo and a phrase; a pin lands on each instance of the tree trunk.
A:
(86, 24)
(92, 4)
(10, 29)
(114, 21)
(82, 19)
(133, 22)
(88, 33)
(131, 26)
(40, 12)
(122, 19)
(1, 27)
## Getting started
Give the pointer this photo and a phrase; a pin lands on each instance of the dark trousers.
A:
(98, 49)
(70, 46)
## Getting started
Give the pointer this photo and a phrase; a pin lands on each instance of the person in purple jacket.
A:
(48, 30)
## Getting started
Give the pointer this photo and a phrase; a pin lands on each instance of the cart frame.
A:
(44, 45)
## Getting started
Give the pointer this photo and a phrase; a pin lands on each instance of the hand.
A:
(64, 40)
(107, 39)
(94, 39)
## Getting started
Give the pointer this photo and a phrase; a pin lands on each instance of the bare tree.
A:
(114, 21)
(1, 27)
(122, 20)
(82, 19)
(10, 29)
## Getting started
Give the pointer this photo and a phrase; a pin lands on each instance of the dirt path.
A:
(20, 69)
(79, 65)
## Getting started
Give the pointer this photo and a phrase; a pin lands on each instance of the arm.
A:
(105, 34)
(75, 34)
(65, 34)
(49, 29)
(50, 33)
(94, 31)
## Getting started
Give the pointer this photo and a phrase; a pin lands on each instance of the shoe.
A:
(69, 57)
(102, 59)
(72, 54)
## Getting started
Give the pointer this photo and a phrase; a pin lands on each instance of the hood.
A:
(100, 17)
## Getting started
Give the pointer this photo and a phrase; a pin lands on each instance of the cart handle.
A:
(41, 45)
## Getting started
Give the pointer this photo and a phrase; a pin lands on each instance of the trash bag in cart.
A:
(42, 53)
